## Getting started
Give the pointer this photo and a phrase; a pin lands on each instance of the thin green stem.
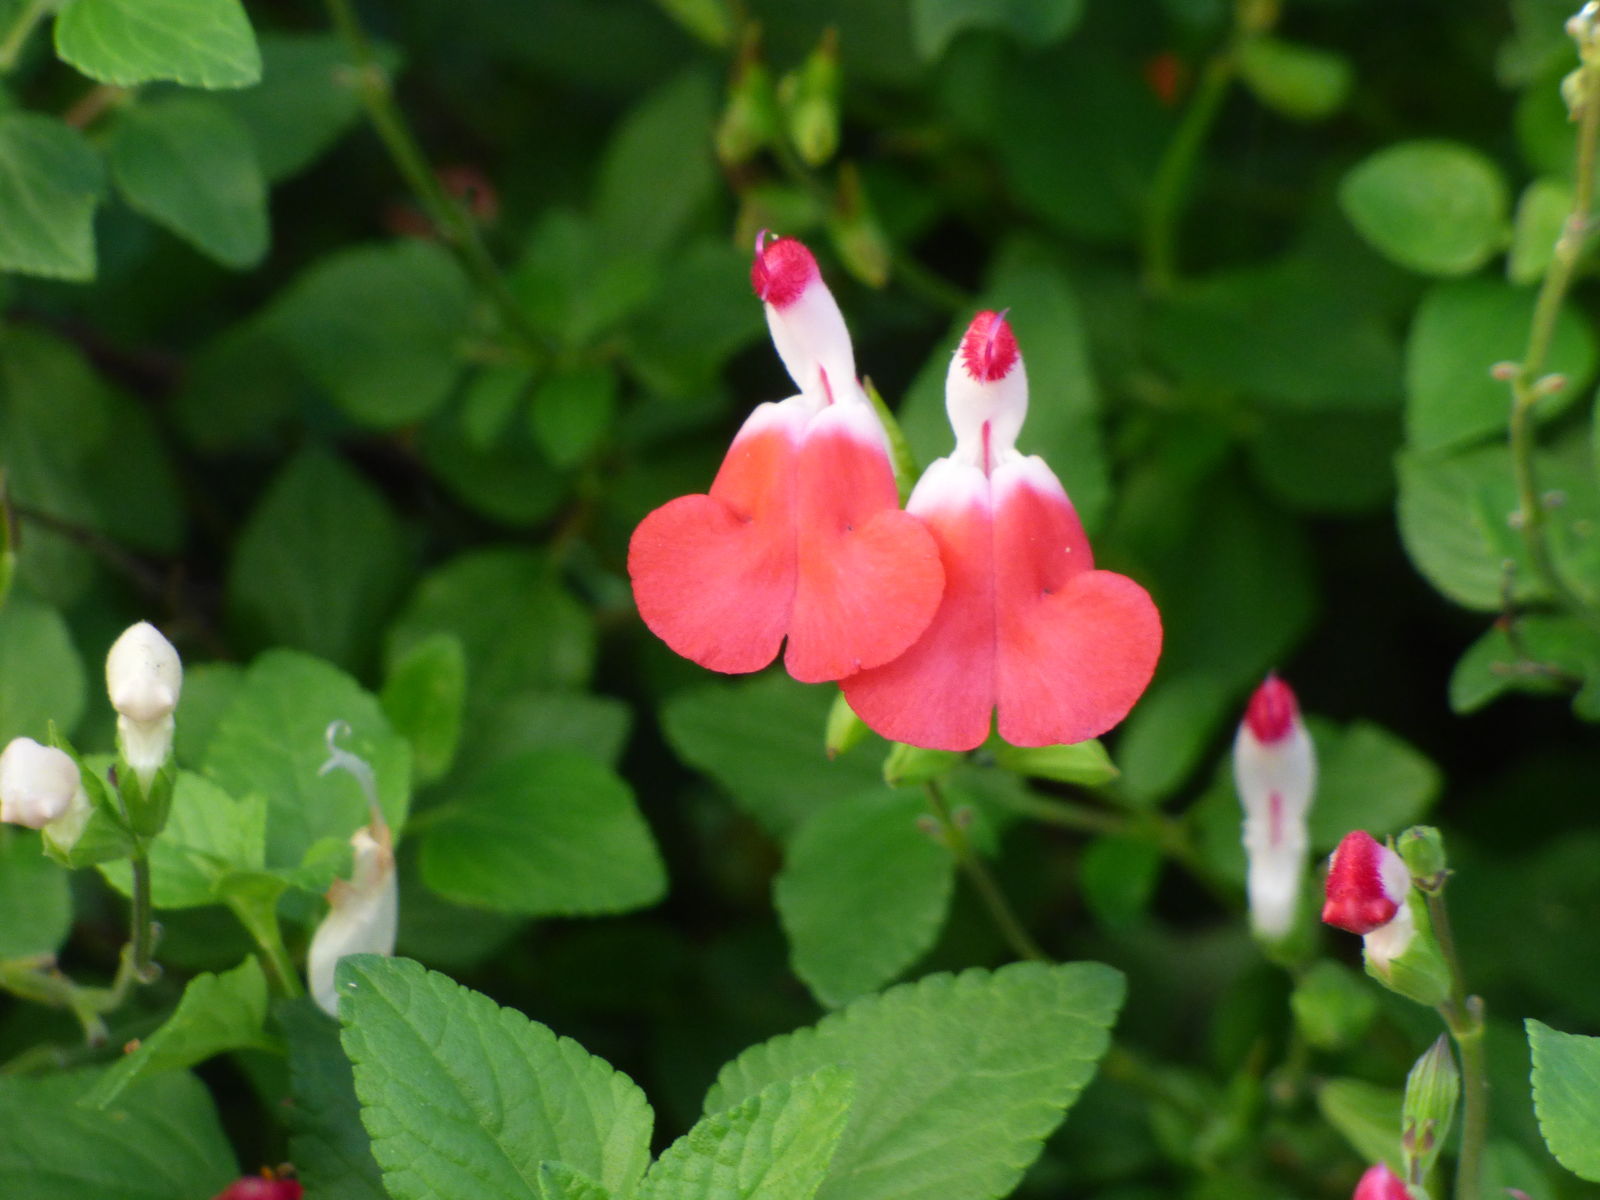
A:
(972, 865)
(1463, 1016)
(16, 38)
(455, 226)
(261, 921)
(1169, 193)
(1527, 382)
(142, 938)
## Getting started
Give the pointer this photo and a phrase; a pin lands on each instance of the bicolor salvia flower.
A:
(801, 536)
(1027, 628)
(144, 678)
(1380, 1183)
(1369, 888)
(364, 910)
(39, 785)
(269, 1186)
(1275, 772)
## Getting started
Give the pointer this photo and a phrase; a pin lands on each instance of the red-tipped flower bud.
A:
(1380, 1183)
(256, 1187)
(1367, 884)
(1275, 771)
(807, 327)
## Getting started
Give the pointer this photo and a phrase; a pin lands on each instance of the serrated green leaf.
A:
(466, 1099)
(1299, 81)
(1540, 653)
(762, 741)
(1463, 329)
(215, 1013)
(775, 1146)
(319, 563)
(51, 179)
(1437, 207)
(1566, 1096)
(271, 742)
(658, 170)
(551, 832)
(863, 893)
(200, 43)
(208, 834)
(936, 23)
(188, 165)
(163, 1140)
(1367, 1115)
(330, 1148)
(940, 1113)
(557, 1181)
(379, 328)
(422, 697)
(34, 896)
(42, 677)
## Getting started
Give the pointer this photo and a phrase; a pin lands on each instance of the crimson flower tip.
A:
(1380, 1183)
(781, 270)
(989, 348)
(1272, 710)
(1365, 887)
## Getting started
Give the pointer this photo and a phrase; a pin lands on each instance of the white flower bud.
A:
(37, 783)
(1275, 772)
(144, 678)
(362, 917)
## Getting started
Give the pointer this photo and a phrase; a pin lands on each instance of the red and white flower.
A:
(1275, 772)
(1369, 887)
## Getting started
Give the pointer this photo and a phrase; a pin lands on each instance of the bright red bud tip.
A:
(989, 349)
(1272, 710)
(1364, 890)
(781, 270)
(253, 1187)
(1380, 1183)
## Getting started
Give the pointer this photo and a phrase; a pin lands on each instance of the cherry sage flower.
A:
(1027, 625)
(801, 535)
(1369, 886)
(1275, 772)
(1380, 1183)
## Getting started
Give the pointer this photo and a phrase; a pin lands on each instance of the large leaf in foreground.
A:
(1566, 1095)
(466, 1099)
(959, 1078)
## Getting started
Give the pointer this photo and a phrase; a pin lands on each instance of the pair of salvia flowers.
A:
(979, 599)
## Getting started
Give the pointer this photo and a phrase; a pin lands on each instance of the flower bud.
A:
(1275, 772)
(144, 678)
(1367, 884)
(38, 784)
(810, 100)
(1423, 850)
(1432, 1089)
(1380, 1183)
(750, 120)
(262, 1187)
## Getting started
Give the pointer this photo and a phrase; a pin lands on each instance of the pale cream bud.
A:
(37, 783)
(144, 678)
(363, 914)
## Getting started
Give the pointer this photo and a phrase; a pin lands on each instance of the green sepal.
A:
(98, 834)
(1432, 1090)
(1085, 764)
(901, 457)
(1420, 972)
(912, 764)
(148, 807)
(1422, 848)
(844, 730)
(810, 99)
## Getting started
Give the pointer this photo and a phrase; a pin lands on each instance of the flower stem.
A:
(455, 226)
(1463, 1016)
(1169, 193)
(1527, 382)
(142, 938)
(16, 38)
(1000, 911)
(262, 922)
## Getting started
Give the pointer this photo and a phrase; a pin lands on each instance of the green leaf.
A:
(379, 329)
(188, 165)
(199, 43)
(51, 179)
(775, 1146)
(1118, 876)
(1063, 416)
(577, 281)
(520, 628)
(593, 725)
(1541, 216)
(309, 95)
(1301, 82)
(465, 1099)
(42, 678)
(557, 1181)
(547, 833)
(679, 349)
(941, 1113)
(208, 689)
(330, 1148)
(1566, 1096)
(935, 23)
(271, 743)
(1327, 462)
(572, 412)
(34, 895)
(1548, 653)
(1463, 329)
(1434, 206)
(422, 697)
(1367, 1115)
(319, 563)
(762, 741)
(657, 170)
(216, 1013)
(1367, 778)
(1456, 521)
(208, 834)
(162, 1141)
(863, 893)
(1084, 764)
